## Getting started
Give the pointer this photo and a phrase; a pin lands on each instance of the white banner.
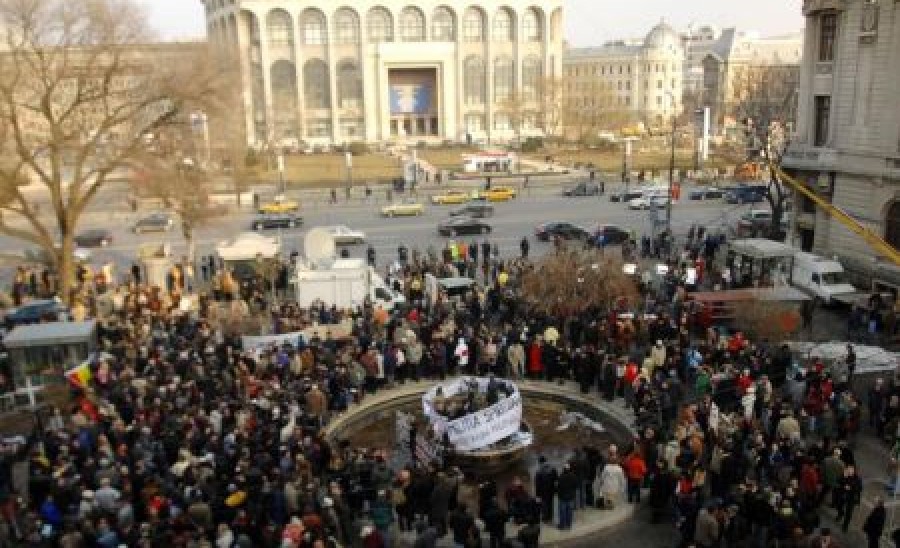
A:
(252, 343)
(482, 428)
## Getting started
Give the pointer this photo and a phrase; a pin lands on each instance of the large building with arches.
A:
(320, 72)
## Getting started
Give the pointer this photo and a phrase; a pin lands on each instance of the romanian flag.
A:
(80, 376)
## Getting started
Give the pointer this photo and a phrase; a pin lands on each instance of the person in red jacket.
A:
(635, 471)
(535, 365)
(809, 481)
(631, 374)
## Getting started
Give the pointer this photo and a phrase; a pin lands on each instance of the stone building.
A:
(322, 72)
(641, 77)
(847, 140)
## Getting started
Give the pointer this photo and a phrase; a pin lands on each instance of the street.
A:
(511, 221)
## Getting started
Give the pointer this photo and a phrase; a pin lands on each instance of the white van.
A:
(821, 277)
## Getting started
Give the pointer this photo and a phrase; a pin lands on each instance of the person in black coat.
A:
(545, 487)
(495, 519)
(874, 525)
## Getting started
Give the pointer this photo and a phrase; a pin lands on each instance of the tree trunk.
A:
(65, 265)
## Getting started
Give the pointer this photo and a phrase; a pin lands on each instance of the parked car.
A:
(754, 222)
(707, 194)
(477, 211)
(36, 311)
(408, 207)
(745, 194)
(280, 204)
(344, 235)
(451, 197)
(567, 231)
(612, 234)
(95, 237)
(584, 188)
(157, 222)
(282, 220)
(457, 226)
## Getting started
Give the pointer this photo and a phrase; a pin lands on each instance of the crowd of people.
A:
(183, 437)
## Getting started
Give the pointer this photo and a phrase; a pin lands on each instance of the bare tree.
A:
(80, 91)
(572, 281)
(765, 101)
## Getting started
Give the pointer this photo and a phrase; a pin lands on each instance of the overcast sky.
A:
(588, 22)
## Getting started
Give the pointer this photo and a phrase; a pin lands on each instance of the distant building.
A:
(847, 140)
(718, 63)
(378, 70)
(643, 78)
(699, 67)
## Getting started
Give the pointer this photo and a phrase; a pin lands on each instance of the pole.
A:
(280, 163)
(671, 176)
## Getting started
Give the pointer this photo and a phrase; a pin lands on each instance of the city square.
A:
(380, 274)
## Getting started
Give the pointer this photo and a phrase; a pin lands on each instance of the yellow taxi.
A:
(450, 197)
(498, 194)
(280, 204)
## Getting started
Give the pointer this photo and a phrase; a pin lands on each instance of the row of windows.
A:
(620, 85)
(504, 72)
(411, 26)
(611, 70)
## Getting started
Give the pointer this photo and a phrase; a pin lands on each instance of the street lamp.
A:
(671, 97)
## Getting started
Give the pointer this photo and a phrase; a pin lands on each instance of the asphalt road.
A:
(512, 221)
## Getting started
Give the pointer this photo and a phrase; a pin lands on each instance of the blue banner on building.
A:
(410, 99)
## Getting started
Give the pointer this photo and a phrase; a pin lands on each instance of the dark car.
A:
(612, 234)
(476, 211)
(158, 222)
(96, 237)
(463, 225)
(626, 196)
(566, 231)
(707, 194)
(277, 220)
(36, 311)
(584, 188)
(745, 194)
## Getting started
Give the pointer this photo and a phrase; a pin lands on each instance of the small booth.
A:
(40, 353)
(758, 262)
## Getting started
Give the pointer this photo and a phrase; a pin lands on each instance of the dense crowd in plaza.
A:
(183, 438)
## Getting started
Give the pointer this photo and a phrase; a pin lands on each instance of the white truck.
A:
(345, 283)
(241, 255)
(821, 277)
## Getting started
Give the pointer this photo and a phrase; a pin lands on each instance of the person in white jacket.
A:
(611, 484)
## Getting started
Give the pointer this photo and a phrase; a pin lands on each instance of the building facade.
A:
(322, 72)
(642, 78)
(723, 65)
(847, 140)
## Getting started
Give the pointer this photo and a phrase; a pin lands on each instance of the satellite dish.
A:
(319, 245)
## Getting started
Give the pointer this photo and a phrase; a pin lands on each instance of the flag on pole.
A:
(80, 375)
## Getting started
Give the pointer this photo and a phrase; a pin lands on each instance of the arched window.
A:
(280, 29)
(531, 25)
(532, 71)
(474, 79)
(473, 25)
(349, 84)
(314, 31)
(892, 225)
(443, 25)
(503, 78)
(315, 84)
(381, 25)
(346, 26)
(412, 25)
(503, 31)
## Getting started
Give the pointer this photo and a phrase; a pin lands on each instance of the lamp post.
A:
(671, 164)
(279, 162)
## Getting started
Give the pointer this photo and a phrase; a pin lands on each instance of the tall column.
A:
(489, 80)
(242, 52)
